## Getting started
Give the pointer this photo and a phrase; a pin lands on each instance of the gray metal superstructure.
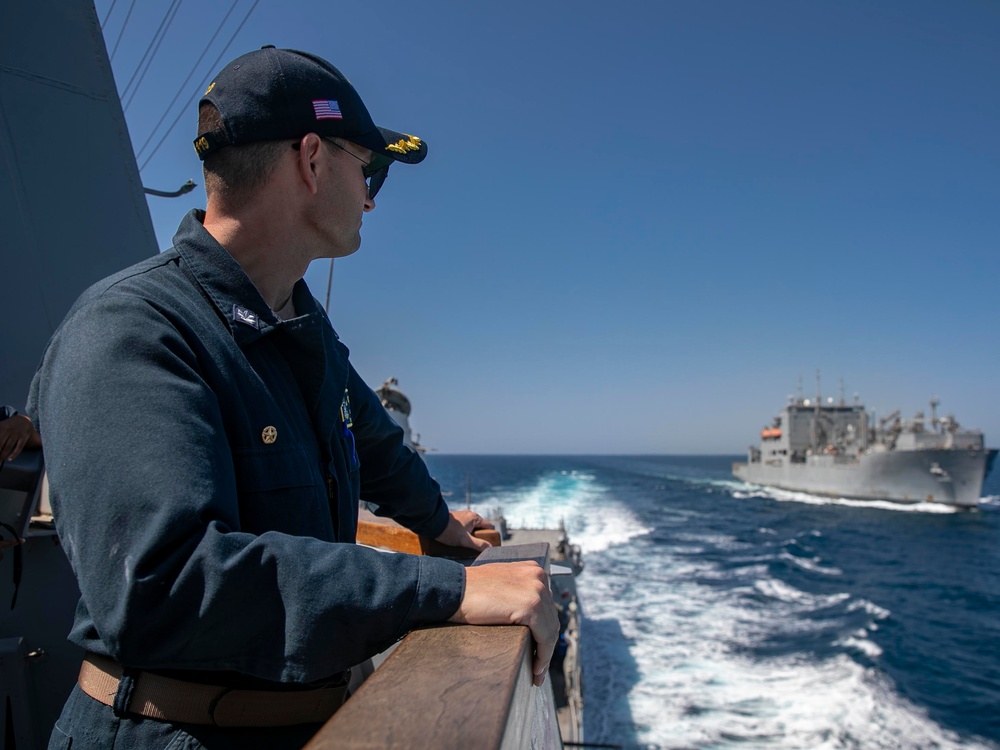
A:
(398, 406)
(72, 211)
(840, 450)
(71, 203)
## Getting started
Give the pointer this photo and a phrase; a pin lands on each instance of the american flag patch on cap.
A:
(327, 109)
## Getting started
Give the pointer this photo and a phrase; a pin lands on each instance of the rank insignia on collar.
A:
(345, 410)
(246, 317)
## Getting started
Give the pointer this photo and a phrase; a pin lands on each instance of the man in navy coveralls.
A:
(207, 442)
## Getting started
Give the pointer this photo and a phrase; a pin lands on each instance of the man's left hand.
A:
(16, 434)
(458, 532)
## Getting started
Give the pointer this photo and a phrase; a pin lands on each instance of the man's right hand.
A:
(515, 593)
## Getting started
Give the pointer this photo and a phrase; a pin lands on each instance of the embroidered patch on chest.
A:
(345, 410)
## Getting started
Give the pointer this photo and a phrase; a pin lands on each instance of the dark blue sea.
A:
(718, 615)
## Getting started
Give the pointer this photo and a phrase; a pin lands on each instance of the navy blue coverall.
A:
(205, 461)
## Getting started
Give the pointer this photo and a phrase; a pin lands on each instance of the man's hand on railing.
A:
(458, 532)
(512, 593)
(16, 434)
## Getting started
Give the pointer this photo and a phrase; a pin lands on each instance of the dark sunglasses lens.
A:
(376, 180)
(377, 163)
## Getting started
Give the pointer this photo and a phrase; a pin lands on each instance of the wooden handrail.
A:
(384, 532)
(452, 686)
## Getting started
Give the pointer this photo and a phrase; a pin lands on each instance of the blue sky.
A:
(641, 224)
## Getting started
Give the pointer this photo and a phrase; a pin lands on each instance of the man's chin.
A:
(343, 251)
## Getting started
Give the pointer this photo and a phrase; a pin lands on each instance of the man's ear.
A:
(308, 164)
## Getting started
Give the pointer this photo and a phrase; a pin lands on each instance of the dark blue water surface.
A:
(722, 615)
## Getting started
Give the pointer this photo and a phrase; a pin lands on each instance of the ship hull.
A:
(948, 476)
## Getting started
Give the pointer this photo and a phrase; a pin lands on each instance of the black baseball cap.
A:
(272, 94)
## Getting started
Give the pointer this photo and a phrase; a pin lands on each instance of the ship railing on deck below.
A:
(452, 686)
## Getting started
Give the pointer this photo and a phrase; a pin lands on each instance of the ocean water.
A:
(719, 615)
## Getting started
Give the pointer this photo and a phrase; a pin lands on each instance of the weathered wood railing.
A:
(452, 686)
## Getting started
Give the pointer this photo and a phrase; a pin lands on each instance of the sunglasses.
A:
(375, 171)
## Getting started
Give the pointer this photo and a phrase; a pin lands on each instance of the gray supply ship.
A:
(841, 450)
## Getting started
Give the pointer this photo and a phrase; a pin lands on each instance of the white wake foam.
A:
(593, 519)
(700, 682)
(699, 634)
(749, 491)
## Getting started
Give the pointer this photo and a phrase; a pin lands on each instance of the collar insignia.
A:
(246, 317)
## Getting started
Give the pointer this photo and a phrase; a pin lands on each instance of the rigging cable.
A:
(165, 25)
(108, 14)
(200, 87)
(183, 86)
(121, 33)
(149, 46)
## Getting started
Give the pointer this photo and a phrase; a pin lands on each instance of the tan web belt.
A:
(185, 702)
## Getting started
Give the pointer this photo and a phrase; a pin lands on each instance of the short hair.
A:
(235, 173)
